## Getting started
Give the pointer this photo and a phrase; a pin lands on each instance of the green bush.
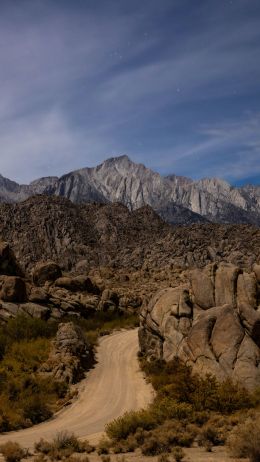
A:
(167, 408)
(26, 328)
(189, 402)
(36, 410)
(123, 426)
(175, 380)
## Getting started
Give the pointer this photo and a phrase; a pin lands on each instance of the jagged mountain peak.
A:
(177, 199)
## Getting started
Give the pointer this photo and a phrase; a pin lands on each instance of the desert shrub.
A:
(178, 453)
(175, 380)
(64, 444)
(140, 435)
(12, 452)
(168, 408)
(76, 458)
(26, 328)
(104, 446)
(121, 459)
(175, 433)
(26, 397)
(67, 440)
(39, 458)
(163, 458)
(165, 437)
(123, 426)
(106, 458)
(244, 440)
(43, 446)
(154, 446)
(216, 430)
(124, 446)
(36, 410)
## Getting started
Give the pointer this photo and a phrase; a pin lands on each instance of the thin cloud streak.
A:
(86, 82)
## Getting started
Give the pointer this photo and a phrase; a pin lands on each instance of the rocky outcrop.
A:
(12, 289)
(8, 263)
(46, 272)
(70, 355)
(212, 324)
(50, 295)
(177, 199)
(79, 237)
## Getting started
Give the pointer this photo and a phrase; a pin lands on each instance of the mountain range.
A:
(177, 199)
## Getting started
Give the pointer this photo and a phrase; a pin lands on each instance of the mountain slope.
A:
(178, 200)
(49, 227)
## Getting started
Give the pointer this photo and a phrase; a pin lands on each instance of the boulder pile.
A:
(47, 293)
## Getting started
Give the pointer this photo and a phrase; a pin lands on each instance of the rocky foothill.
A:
(83, 237)
(212, 323)
(47, 293)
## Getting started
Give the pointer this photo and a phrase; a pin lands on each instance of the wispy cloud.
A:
(162, 81)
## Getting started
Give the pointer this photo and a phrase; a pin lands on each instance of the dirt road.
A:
(114, 386)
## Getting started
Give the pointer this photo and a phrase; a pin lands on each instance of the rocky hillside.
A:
(93, 235)
(177, 199)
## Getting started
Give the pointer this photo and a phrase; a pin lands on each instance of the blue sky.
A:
(174, 84)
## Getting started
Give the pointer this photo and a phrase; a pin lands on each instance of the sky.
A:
(174, 84)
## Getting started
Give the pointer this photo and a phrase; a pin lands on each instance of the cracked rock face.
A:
(212, 323)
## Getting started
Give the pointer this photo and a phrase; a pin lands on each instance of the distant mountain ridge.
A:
(177, 199)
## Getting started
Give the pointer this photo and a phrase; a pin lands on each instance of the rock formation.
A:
(212, 323)
(49, 295)
(177, 199)
(84, 236)
(70, 355)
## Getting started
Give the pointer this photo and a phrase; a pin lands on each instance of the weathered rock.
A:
(202, 283)
(109, 301)
(13, 289)
(78, 283)
(46, 272)
(256, 269)
(247, 289)
(35, 311)
(225, 281)
(70, 355)
(8, 263)
(222, 338)
(38, 295)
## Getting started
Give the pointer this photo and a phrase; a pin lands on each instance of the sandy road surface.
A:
(114, 386)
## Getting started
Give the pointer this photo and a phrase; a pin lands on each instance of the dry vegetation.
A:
(187, 409)
(26, 396)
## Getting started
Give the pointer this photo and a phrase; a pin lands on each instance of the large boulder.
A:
(77, 284)
(70, 355)
(8, 263)
(13, 289)
(46, 272)
(213, 324)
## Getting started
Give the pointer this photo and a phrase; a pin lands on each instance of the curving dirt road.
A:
(114, 386)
